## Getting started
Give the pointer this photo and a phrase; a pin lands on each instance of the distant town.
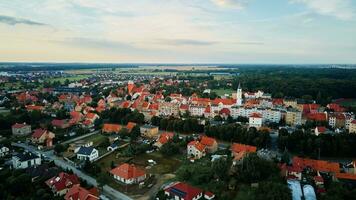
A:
(177, 132)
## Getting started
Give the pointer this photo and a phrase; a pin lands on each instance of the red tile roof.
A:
(184, 107)
(127, 171)
(79, 193)
(200, 147)
(224, 101)
(62, 181)
(317, 116)
(111, 128)
(184, 191)
(319, 165)
(207, 141)
(130, 125)
(225, 111)
(165, 137)
(38, 133)
(236, 148)
(256, 115)
(19, 125)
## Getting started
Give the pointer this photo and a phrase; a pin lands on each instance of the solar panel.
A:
(178, 192)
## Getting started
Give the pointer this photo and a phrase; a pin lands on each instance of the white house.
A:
(25, 160)
(87, 153)
(195, 150)
(3, 151)
(128, 174)
(255, 120)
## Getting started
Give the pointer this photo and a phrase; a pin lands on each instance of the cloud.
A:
(238, 4)
(186, 42)
(14, 21)
(95, 43)
(340, 9)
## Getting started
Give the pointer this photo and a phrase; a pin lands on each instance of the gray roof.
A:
(85, 150)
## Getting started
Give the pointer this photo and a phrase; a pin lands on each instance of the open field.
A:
(71, 79)
(222, 92)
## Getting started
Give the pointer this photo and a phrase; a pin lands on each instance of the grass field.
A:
(71, 79)
(222, 92)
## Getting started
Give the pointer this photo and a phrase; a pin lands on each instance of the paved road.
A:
(107, 190)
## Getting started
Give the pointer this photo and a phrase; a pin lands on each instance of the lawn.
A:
(222, 91)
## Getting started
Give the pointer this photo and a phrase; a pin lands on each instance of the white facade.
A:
(239, 96)
(4, 151)
(196, 110)
(255, 121)
(18, 163)
(93, 155)
(268, 115)
(131, 180)
(192, 151)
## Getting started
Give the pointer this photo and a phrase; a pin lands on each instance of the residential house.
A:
(168, 109)
(293, 117)
(163, 139)
(62, 183)
(149, 131)
(25, 160)
(184, 191)
(111, 128)
(21, 129)
(3, 151)
(239, 151)
(195, 150)
(43, 136)
(128, 174)
(60, 123)
(210, 144)
(79, 193)
(255, 120)
(352, 127)
(74, 147)
(319, 130)
(87, 153)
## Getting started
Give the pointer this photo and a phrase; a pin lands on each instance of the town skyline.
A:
(215, 31)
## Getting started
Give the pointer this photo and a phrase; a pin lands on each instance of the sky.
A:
(179, 31)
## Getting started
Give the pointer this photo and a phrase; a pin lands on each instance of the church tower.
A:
(239, 96)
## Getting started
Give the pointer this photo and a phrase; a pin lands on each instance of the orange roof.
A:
(199, 146)
(125, 104)
(78, 193)
(130, 125)
(321, 129)
(33, 107)
(346, 176)
(127, 171)
(224, 101)
(236, 148)
(91, 116)
(207, 141)
(111, 128)
(165, 137)
(317, 116)
(320, 165)
(256, 115)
